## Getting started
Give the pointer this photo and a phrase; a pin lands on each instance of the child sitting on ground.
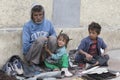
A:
(89, 51)
(59, 59)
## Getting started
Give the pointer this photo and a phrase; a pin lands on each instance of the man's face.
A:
(37, 16)
(93, 34)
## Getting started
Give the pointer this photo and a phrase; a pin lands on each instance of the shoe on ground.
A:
(67, 73)
(10, 70)
(18, 67)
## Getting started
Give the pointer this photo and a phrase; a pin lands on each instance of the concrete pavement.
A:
(114, 62)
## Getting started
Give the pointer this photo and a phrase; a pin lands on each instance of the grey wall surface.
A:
(66, 13)
(14, 13)
(105, 12)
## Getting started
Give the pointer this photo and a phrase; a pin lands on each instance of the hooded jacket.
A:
(31, 31)
(86, 42)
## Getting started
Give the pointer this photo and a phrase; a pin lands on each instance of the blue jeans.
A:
(79, 58)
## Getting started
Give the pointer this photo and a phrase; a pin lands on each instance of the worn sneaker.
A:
(9, 69)
(18, 67)
(67, 73)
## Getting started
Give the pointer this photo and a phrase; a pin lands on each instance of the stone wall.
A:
(10, 40)
(14, 13)
(105, 12)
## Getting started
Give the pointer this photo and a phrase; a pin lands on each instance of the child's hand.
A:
(88, 57)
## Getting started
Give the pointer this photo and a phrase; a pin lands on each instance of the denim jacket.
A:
(86, 42)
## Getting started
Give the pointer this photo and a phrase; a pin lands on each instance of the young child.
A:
(89, 50)
(59, 59)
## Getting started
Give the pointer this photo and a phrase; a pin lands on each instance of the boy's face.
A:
(61, 42)
(37, 16)
(93, 34)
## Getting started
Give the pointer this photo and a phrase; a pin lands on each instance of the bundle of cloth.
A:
(99, 73)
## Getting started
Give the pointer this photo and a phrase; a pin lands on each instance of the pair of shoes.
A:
(67, 73)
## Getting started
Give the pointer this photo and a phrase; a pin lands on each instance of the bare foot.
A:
(96, 63)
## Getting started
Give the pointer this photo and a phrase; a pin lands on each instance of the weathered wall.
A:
(106, 12)
(14, 13)
(10, 40)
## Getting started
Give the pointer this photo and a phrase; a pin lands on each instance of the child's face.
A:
(61, 42)
(37, 16)
(93, 34)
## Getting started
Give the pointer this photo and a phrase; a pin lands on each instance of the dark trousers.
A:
(80, 58)
(37, 52)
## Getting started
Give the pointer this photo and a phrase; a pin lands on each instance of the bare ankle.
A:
(96, 63)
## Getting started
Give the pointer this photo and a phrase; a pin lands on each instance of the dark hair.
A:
(37, 8)
(95, 26)
(65, 37)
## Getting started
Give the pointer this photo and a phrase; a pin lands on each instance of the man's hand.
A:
(46, 48)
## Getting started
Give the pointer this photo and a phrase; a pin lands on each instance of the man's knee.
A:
(41, 40)
(52, 39)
